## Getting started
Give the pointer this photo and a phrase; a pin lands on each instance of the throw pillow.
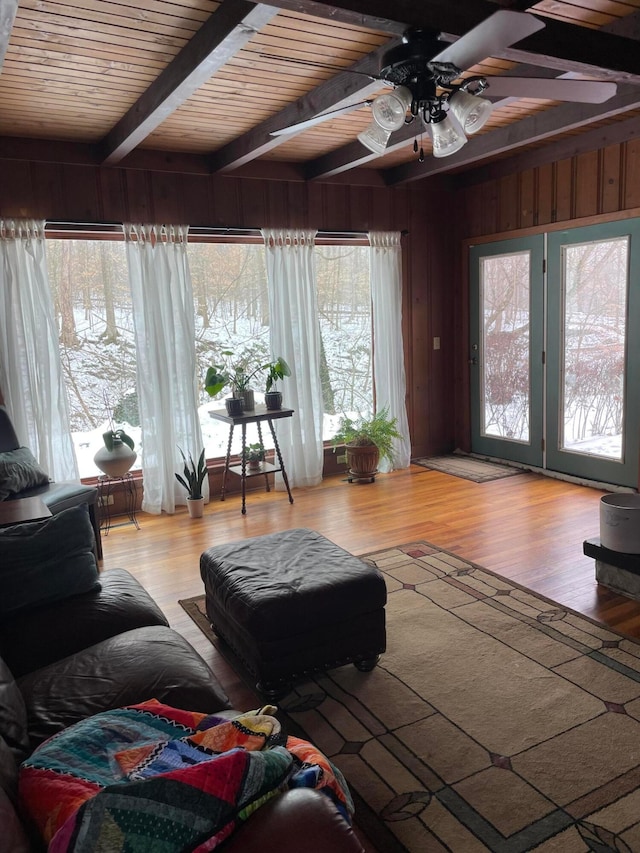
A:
(45, 561)
(19, 470)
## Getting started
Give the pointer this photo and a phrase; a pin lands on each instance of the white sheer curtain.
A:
(295, 335)
(30, 370)
(164, 322)
(388, 354)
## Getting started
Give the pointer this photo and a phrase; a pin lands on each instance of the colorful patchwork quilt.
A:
(153, 777)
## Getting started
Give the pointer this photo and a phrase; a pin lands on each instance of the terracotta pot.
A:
(362, 460)
(116, 462)
(196, 507)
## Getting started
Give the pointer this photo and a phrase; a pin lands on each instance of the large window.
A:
(92, 304)
(344, 308)
(232, 315)
(97, 343)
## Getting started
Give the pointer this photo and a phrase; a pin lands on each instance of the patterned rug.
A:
(467, 467)
(496, 721)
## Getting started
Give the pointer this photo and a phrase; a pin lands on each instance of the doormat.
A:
(467, 467)
(497, 720)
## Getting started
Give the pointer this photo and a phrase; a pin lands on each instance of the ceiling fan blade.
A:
(554, 89)
(311, 122)
(498, 31)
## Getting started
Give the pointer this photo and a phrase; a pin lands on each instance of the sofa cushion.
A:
(12, 837)
(19, 470)
(147, 663)
(14, 740)
(45, 561)
(34, 638)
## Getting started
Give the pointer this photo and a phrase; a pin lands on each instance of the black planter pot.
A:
(234, 406)
(273, 400)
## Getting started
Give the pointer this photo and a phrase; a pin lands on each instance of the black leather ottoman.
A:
(292, 603)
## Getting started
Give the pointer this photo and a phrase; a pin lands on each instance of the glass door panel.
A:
(506, 346)
(506, 349)
(592, 355)
(594, 342)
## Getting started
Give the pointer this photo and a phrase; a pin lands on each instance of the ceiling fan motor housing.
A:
(409, 64)
(410, 61)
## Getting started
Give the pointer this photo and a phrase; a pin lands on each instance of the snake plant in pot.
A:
(194, 474)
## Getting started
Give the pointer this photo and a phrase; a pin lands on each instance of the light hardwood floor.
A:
(529, 528)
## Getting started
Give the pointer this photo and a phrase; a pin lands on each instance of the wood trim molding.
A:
(533, 230)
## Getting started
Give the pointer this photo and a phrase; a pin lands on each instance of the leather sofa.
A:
(56, 496)
(109, 647)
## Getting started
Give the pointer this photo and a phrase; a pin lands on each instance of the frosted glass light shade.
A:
(375, 138)
(446, 137)
(471, 111)
(390, 110)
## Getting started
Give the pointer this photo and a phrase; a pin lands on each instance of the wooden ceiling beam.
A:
(562, 149)
(218, 39)
(345, 87)
(535, 128)
(8, 9)
(459, 15)
(353, 154)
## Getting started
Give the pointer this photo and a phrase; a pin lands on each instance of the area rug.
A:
(467, 467)
(497, 720)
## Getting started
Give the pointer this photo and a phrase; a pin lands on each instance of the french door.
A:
(555, 351)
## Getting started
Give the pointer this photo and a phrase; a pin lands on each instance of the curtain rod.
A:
(201, 229)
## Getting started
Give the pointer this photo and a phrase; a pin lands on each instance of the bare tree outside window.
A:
(506, 346)
(594, 331)
(92, 304)
(344, 309)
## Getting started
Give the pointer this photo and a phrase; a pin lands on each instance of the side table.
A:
(258, 416)
(106, 487)
(21, 510)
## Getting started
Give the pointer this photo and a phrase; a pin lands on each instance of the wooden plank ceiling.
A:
(205, 83)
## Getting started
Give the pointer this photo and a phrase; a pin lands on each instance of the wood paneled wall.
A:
(594, 186)
(90, 194)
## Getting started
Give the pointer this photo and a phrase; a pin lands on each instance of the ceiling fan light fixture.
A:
(375, 138)
(447, 136)
(471, 111)
(390, 110)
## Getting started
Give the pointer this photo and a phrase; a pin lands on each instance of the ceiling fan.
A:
(429, 87)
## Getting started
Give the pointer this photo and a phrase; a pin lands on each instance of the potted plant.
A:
(366, 440)
(254, 455)
(237, 377)
(117, 456)
(276, 370)
(194, 474)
